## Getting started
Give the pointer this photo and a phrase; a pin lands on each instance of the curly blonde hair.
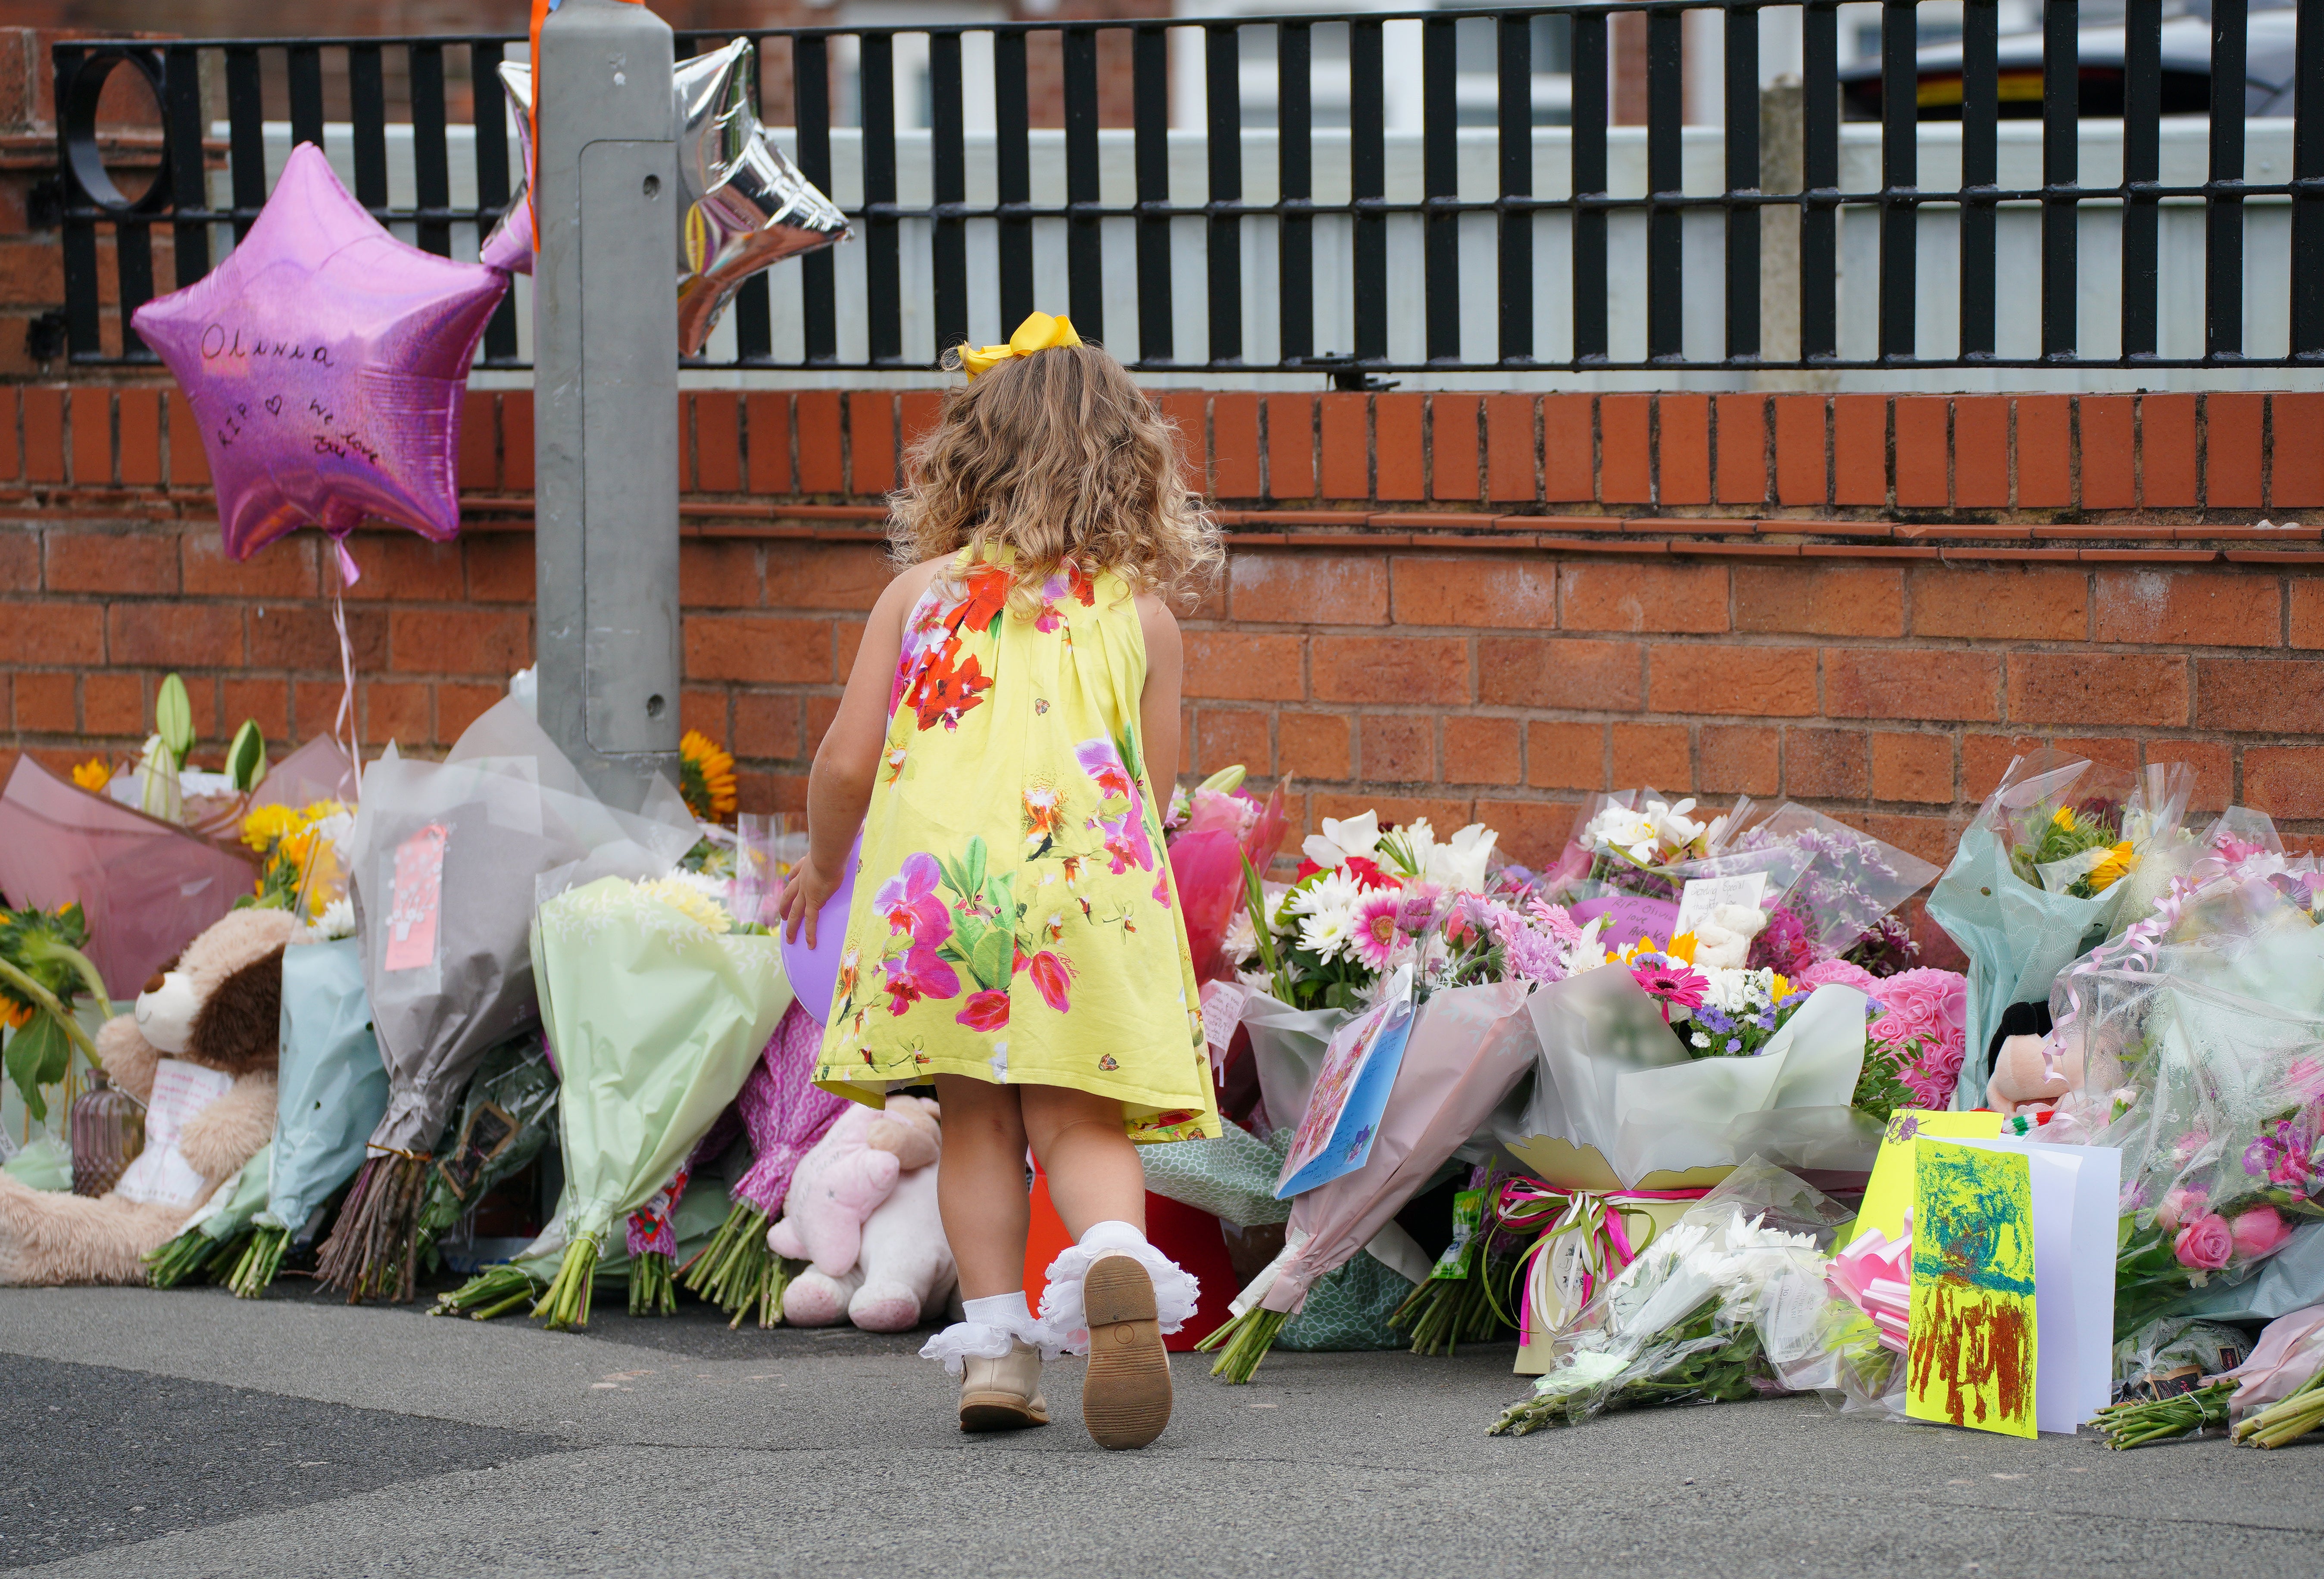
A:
(1057, 455)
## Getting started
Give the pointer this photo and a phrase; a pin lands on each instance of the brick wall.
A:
(1462, 606)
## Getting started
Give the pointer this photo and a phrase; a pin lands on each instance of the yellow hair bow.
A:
(1041, 332)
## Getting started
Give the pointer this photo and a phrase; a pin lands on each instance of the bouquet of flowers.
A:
(1657, 1066)
(1838, 903)
(1729, 1304)
(2037, 878)
(657, 1007)
(1917, 1029)
(784, 1113)
(331, 1090)
(300, 866)
(444, 858)
(2275, 1397)
(2220, 1105)
(1468, 1047)
(1638, 842)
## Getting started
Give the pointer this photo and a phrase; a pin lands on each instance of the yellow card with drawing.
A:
(1971, 1351)
(1891, 1190)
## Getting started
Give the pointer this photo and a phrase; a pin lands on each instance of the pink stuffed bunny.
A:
(845, 1177)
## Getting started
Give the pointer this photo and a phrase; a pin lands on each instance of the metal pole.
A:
(606, 395)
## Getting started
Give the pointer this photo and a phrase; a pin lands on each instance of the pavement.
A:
(187, 1433)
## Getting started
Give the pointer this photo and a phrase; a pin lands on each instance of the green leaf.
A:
(955, 877)
(976, 866)
(245, 759)
(991, 959)
(38, 1056)
(1130, 757)
(173, 717)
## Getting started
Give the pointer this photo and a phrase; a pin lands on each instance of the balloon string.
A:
(344, 727)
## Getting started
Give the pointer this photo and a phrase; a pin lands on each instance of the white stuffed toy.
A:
(902, 1269)
(1723, 939)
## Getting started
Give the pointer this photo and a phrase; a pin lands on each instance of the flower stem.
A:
(1243, 1342)
(651, 1291)
(253, 1274)
(2145, 1420)
(494, 1290)
(567, 1303)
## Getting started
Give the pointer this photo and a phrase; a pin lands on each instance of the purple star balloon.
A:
(325, 361)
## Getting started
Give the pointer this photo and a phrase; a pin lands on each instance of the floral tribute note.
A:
(1971, 1349)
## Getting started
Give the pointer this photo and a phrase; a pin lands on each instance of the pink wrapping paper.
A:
(1469, 1047)
(147, 887)
(784, 1112)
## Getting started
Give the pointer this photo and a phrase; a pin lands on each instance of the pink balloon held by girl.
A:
(1007, 743)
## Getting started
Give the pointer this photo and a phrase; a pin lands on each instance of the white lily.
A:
(1344, 837)
(1459, 864)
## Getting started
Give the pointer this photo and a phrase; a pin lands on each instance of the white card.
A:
(1223, 1004)
(160, 1174)
(1702, 895)
(2074, 1191)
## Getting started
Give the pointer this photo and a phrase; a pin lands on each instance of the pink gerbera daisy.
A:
(1377, 930)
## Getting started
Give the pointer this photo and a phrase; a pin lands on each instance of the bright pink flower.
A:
(2260, 1232)
(908, 903)
(2178, 1205)
(1675, 986)
(987, 1011)
(1051, 974)
(1376, 926)
(2205, 1244)
(920, 973)
(1367, 872)
(1103, 764)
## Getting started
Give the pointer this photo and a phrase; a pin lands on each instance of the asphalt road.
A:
(188, 1433)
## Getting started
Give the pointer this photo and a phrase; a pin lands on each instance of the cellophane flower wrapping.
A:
(1233, 1177)
(332, 1088)
(2220, 1101)
(1634, 842)
(1221, 832)
(1468, 1047)
(1613, 1076)
(656, 1018)
(1841, 880)
(449, 971)
(507, 1118)
(2019, 934)
(1729, 1303)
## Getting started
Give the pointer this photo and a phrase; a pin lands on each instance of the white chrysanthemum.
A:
(1328, 933)
(1333, 890)
(337, 920)
(1618, 827)
(1738, 991)
(689, 900)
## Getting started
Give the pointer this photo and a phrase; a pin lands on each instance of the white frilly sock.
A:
(1175, 1291)
(989, 1325)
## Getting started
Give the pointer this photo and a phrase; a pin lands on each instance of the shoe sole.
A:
(999, 1411)
(1126, 1395)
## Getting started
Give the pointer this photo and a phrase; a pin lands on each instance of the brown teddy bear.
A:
(209, 1028)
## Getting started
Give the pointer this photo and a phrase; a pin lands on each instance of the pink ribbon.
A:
(343, 728)
(1595, 1215)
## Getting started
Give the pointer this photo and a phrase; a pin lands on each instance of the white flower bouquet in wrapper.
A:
(657, 1006)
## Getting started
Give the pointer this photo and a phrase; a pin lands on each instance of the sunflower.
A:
(705, 776)
(93, 775)
(2119, 863)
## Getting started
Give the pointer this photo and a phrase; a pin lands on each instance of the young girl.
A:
(1014, 935)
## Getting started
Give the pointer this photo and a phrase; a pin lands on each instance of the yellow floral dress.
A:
(1014, 917)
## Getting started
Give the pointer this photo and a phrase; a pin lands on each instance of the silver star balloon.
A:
(510, 245)
(747, 207)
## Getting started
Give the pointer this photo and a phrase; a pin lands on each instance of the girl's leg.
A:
(981, 1183)
(1093, 1168)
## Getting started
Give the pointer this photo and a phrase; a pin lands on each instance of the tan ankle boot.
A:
(1126, 1397)
(1003, 1394)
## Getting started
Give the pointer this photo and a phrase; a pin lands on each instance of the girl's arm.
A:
(1158, 707)
(848, 759)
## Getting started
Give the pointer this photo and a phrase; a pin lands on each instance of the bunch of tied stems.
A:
(566, 1304)
(736, 1271)
(652, 1288)
(1442, 1313)
(261, 1259)
(1693, 1361)
(2141, 1421)
(373, 1250)
(494, 1290)
(189, 1255)
(2286, 1420)
(1242, 1342)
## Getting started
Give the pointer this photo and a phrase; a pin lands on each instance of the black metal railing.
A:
(1078, 70)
